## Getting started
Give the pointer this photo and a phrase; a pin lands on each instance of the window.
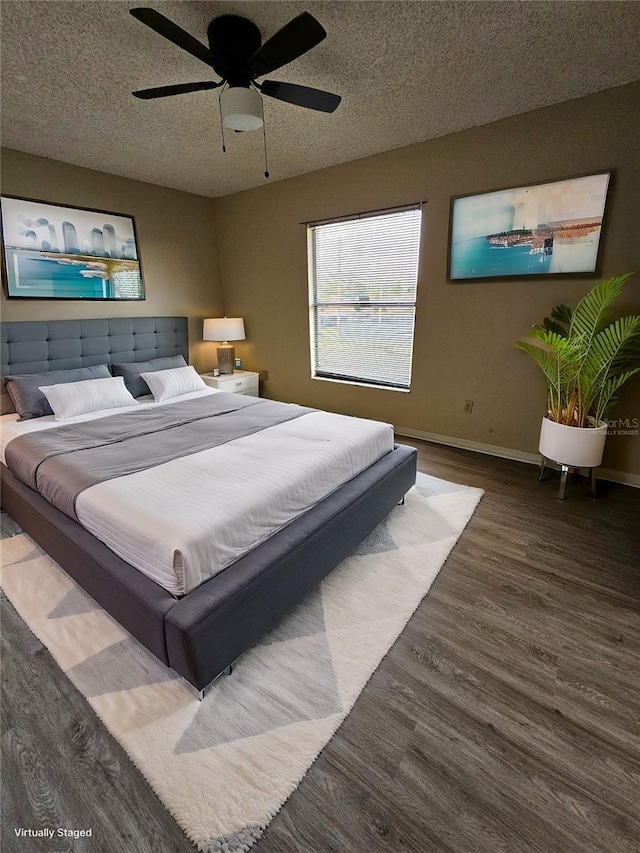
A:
(363, 275)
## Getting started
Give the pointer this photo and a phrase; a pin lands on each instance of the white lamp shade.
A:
(241, 108)
(224, 329)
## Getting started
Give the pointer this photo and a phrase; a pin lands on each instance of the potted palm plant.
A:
(586, 358)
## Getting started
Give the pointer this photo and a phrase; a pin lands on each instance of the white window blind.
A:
(363, 276)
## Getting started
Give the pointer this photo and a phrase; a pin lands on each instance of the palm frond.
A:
(552, 326)
(562, 314)
(615, 348)
(607, 398)
(591, 312)
(546, 360)
(555, 340)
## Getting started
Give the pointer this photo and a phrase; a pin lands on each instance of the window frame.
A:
(345, 379)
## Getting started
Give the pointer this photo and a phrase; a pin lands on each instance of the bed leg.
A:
(401, 503)
(199, 694)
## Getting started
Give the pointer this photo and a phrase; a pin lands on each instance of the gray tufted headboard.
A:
(42, 345)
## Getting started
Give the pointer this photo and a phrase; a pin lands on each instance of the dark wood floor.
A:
(504, 720)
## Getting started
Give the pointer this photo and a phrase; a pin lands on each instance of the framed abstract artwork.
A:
(545, 229)
(55, 252)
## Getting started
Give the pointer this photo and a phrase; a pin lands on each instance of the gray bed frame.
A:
(201, 634)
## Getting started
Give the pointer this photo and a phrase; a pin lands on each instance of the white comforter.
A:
(184, 521)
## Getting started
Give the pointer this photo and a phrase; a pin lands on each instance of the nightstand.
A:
(239, 382)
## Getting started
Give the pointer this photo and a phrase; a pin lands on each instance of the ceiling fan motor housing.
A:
(233, 38)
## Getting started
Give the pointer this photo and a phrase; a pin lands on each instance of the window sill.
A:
(361, 384)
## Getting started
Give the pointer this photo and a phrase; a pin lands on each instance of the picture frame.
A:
(539, 230)
(54, 251)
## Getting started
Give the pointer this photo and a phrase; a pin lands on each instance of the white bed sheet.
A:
(184, 521)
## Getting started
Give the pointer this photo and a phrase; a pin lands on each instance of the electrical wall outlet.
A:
(468, 407)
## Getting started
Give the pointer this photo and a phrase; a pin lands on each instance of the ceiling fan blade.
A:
(164, 27)
(303, 96)
(181, 88)
(294, 39)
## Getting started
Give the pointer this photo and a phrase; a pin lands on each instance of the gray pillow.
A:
(131, 371)
(6, 403)
(30, 402)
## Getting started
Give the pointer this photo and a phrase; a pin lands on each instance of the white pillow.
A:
(174, 382)
(89, 395)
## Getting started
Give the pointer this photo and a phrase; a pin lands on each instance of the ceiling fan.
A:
(238, 56)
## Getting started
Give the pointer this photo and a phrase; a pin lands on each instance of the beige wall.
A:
(465, 333)
(175, 236)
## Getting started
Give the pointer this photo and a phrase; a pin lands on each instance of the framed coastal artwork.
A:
(51, 251)
(543, 229)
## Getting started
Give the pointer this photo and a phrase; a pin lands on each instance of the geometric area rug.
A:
(224, 767)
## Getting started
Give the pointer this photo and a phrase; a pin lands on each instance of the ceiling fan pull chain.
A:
(224, 147)
(264, 140)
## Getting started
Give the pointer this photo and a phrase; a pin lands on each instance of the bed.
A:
(200, 633)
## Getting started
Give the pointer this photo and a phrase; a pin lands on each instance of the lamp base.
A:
(226, 357)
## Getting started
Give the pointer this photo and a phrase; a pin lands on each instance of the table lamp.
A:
(224, 329)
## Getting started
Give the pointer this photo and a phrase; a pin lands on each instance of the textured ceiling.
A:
(407, 71)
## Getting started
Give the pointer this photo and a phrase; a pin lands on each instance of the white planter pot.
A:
(572, 446)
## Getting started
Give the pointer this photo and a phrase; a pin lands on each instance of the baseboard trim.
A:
(622, 477)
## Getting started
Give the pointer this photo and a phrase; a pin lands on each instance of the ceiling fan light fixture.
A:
(241, 108)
